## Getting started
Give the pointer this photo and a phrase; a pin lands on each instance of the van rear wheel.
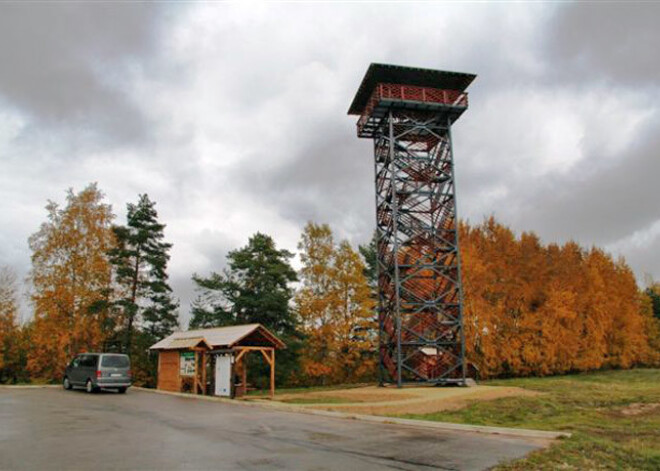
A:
(121, 390)
(89, 387)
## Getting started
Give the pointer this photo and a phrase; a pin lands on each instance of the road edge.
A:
(29, 386)
(427, 424)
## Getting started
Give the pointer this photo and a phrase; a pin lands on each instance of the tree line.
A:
(534, 309)
(530, 309)
(94, 286)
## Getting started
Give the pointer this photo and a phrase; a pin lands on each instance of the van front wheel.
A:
(66, 383)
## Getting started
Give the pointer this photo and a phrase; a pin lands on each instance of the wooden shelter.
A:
(184, 359)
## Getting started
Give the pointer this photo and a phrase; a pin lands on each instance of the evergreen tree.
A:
(253, 289)
(369, 254)
(653, 292)
(140, 262)
(205, 314)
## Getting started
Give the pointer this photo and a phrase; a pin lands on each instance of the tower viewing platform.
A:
(387, 86)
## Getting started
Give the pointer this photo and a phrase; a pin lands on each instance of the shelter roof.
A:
(187, 342)
(400, 75)
(220, 337)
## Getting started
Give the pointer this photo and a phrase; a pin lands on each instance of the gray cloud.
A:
(609, 41)
(602, 205)
(329, 180)
(67, 66)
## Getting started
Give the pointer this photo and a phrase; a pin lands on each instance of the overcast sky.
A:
(233, 118)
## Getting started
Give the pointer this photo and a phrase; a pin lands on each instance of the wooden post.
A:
(270, 359)
(244, 376)
(272, 373)
(196, 372)
(203, 373)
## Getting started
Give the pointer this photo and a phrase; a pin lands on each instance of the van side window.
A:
(88, 361)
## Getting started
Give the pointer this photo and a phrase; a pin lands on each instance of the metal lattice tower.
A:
(408, 112)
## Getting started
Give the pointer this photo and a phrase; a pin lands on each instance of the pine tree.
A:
(369, 254)
(206, 313)
(140, 266)
(254, 289)
(653, 292)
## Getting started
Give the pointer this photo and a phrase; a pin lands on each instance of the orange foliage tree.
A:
(71, 277)
(12, 345)
(538, 310)
(336, 310)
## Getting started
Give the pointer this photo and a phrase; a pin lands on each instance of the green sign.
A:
(187, 363)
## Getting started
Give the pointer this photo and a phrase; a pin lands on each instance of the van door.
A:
(75, 370)
(88, 370)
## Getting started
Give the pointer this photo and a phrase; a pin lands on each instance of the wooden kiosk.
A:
(188, 360)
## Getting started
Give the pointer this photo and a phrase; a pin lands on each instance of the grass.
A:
(614, 417)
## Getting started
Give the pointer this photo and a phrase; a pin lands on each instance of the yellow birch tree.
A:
(71, 277)
(336, 309)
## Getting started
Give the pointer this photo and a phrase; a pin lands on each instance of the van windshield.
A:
(115, 361)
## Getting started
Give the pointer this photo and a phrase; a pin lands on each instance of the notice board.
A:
(187, 364)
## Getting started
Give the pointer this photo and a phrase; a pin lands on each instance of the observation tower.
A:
(408, 112)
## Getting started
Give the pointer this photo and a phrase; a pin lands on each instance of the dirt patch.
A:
(430, 404)
(639, 408)
(359, 395)
(390, 401)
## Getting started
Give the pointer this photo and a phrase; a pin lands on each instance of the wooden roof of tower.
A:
(221, 337)
(416, 76)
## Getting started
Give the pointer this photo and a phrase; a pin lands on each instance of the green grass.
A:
(591, 406)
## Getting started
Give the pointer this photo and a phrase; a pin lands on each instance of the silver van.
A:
(97, 371)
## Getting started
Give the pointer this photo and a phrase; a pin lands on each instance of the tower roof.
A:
(416, 76)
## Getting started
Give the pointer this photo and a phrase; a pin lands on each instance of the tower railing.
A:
(408, 93)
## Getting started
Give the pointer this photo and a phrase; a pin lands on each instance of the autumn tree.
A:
(336, 309)
(356, 318)
(12, 345)
(71, 278)
(532, 309)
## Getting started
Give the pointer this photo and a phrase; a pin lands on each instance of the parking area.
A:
(50, 428)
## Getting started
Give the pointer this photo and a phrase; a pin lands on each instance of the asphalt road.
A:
(53, 429)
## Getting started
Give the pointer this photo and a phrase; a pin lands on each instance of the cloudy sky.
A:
(233, 118)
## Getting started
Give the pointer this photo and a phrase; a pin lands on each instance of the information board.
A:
(187, 364)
